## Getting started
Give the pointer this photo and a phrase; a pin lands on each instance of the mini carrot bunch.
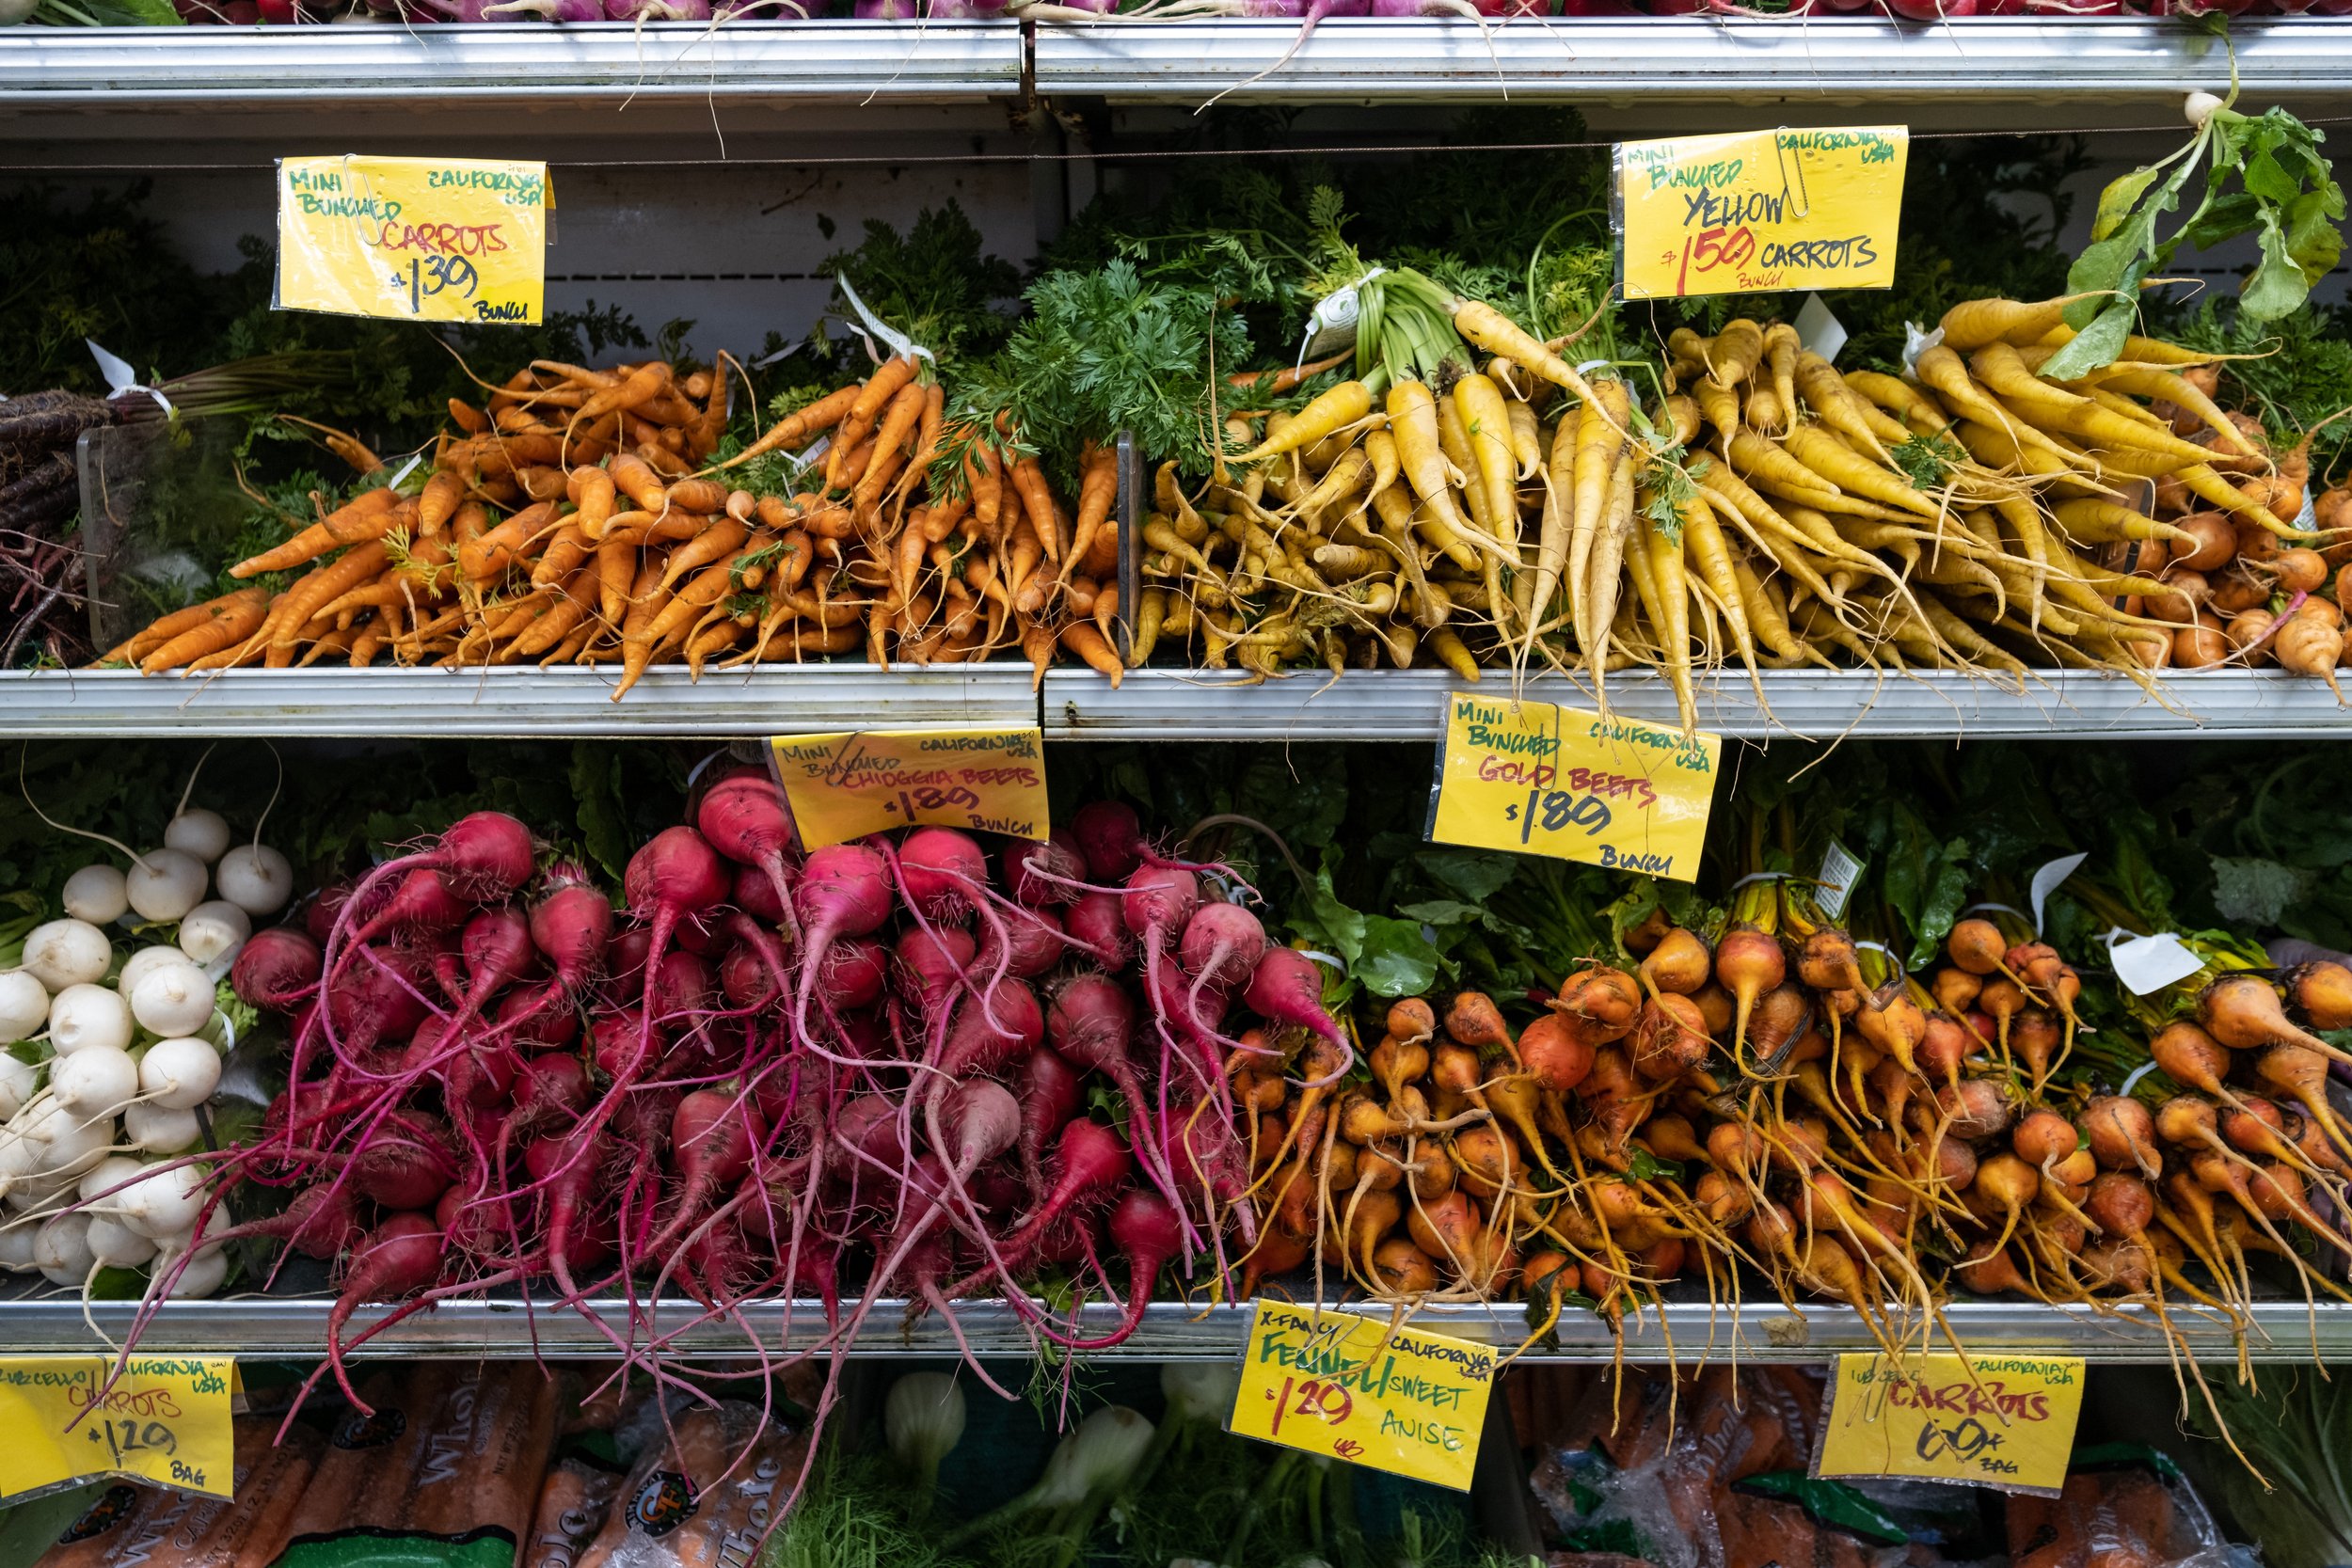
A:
(578, 517)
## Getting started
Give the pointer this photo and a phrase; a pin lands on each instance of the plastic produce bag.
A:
(151, 1528)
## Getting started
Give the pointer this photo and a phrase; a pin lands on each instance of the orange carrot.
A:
(823, 414)
(368, 516)
(863, 412)
(635, 478)
(1028, 480)
(899, 421)
(224, 623)
(438, 503)
(311, 594)
(465, 417)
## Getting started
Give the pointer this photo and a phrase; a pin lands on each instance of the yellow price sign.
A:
(1347, 1387)
(415, 239)
(846, 785)
(2004, 1421)
(1762, 210)
(165, 1422)
(1544, 779)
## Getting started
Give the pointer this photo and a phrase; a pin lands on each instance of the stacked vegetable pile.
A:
(40, 494)
(622, 544)
(1950, 521)
(778, 1072)
(118, 1056)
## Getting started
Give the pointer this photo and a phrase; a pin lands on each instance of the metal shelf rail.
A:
(512, 704)
(1149, 704)
(1760, 1331)
(1845, 60)
(1410, 704)
(227, 67)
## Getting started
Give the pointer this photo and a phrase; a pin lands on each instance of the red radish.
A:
(425, 901)
(1149, 1233)
(1287, 988)
(1024, 943)
(571, 925)
(1110, 836)
(681, 987)
(746, 818)
(625, 964)
(278, 969)
(854, 972)
(943, 874)
(990, 1032)
(402, 1256)
(1093, 1025)
(744, 979)
(869, 1126)
(843, 890)
(1221, 946)
(375, 1004)
(318, 920)
(756, 896)
(1051, 1094)
(1090, 1163)
(1042, 875)
(407, 1162)
(534, 1024)
(1097, 924)
(930, 965)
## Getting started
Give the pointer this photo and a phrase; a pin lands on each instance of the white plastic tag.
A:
(2146, 964)
(1916, 343)
(900, 344)
(1331, 329)
(1820, 331)
(121, 377)
(2046, 880)
(2307, 520)
(1834, 885)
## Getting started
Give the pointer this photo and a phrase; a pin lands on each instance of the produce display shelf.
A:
(1761, 1331)
(509, 704)
(1410, 704)
(934, 62)
(1848, 61)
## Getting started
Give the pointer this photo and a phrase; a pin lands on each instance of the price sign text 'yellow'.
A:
(1757, 212)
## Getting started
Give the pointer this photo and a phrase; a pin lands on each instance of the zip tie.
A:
(122, 378)
(1328, 959)
(1762, 877)
(2005, 909)
(703, 765)
(1591, 365)
(900, 344)
(1877, 948)
(2143, 1070)
(405, 470)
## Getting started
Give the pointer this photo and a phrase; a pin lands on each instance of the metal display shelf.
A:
(509, 704)
(1410, 704)
(1765, 1331)
(804, 61)
(1851, 59)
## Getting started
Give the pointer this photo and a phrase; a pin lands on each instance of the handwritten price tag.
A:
(1999, 1421)
(1335, 1384)
(844, 787)
(1545, 780)
(165, 1422)
(1760, 210)
(415, 239)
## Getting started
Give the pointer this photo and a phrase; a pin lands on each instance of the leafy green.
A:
(2286, 196)
(2297, 1432)
(2292, 372)
(1925, 460)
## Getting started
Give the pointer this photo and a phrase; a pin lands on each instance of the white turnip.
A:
(101, 1178)
(135, 967)
(61, 1249)
(96, 894)
(18, 1081)
(198, 832)
(23, 1006)
(215, 931)
(115, 1245)
(163, 884)
(159, 1131)
(95, 1081)
(172, 1000)
(62, 953)
(86, 1016)
(163, 1202)
(256, 878)
(179, 1074)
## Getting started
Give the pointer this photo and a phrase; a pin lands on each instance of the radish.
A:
(843, 890)
(854, 972)
(402, 1257)
(1051, 1095)
(23, 1006)
(18, 1081)
(1149, 1233)
(1110, 836)
(160, 1200)
(159, 1131)
(63, 953)
(173, 999)
(407, 1162)
(213, 932)
(931, 966)
(61, 1249)
(278, 969)
(198, 832)
(942, 873)
(746, 818)
(96, 895)
(95, 1081)
(88, 1017)
(163, 885)
(1221, 946)
(1096, 923)
(1287, 988)
(1025, 945)
(1042, 875)
(990, 1032)
(1088, 1163)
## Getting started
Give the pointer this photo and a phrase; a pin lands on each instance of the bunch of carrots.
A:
(1784, 1102)
(578, 517)
(1764, 506)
